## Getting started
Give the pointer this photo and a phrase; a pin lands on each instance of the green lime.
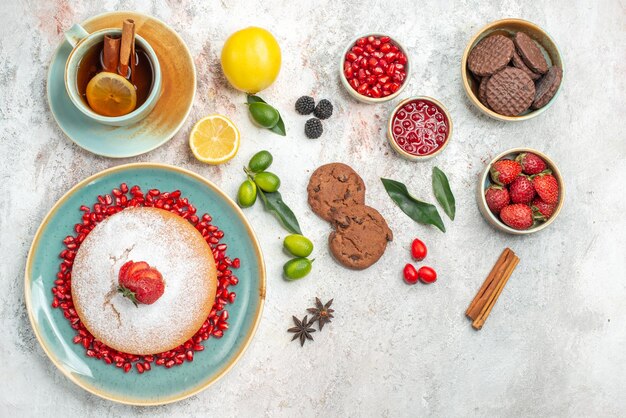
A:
(297, 268)
(264, 114)
(298, 245)
(268, 182)
(246, 196)
(260, 161)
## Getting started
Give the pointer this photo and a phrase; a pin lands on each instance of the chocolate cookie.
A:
(518, 62)
(360, 237)
(547, 87)
(490, 55)
(510, 91)
(334, 186)
(482, 91)
(530, 53)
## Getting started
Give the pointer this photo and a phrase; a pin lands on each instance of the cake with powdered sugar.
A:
(144, 281)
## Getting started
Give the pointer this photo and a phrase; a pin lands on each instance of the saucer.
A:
(167, 117)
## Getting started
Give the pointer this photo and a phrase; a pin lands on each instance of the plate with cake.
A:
(144, 284)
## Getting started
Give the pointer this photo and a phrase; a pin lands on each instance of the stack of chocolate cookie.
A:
(336, 193)
(513, 74)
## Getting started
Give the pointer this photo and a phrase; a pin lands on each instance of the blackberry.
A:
(313, 128)
(324, 109)
(305, 105)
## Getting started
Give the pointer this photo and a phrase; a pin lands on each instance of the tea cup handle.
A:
(74, 34)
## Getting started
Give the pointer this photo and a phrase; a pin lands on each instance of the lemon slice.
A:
(214, 139)
(110, 94)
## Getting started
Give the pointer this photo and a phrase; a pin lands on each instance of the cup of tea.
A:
(102, 93)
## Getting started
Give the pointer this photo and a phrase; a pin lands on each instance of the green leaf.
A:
(255, 99)
(279, 128)
(441, 188)
(273, 203)
(419, 211)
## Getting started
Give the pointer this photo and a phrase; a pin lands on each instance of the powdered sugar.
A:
(166, 242)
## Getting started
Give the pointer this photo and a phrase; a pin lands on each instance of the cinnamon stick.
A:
(484, 314)
(489, 284)
(133, 60)
(111, 53)
(128, 40)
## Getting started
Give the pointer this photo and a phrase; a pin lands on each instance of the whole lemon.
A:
(251, 59)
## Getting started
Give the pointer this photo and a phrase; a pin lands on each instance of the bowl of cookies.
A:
(512, 70)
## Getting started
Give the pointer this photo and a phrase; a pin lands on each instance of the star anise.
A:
(322, 313)
(302, 329)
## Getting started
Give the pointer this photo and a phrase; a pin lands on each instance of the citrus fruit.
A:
(298, 245)
(260, 161)
(264, 114)
(251, 59)
(268, 182)
(246, 196)
(110, 94)
(214, 139)
(297, 268)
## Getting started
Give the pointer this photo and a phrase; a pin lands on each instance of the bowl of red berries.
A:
(521, 191)
(374, 68)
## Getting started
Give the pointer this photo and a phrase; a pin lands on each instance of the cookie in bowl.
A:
(512, 70)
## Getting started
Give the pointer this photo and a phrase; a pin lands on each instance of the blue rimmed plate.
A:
(160, 385)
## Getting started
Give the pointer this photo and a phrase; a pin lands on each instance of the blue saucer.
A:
(171, 111)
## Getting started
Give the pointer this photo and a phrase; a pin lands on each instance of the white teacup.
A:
(82, 41)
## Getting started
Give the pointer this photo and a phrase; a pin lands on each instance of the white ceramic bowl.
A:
(359, 96)
(508, 27)
(402, 152)
(485, 181)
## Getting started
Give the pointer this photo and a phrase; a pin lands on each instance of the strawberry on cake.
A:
(144, 281)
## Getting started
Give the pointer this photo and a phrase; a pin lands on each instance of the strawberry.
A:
(547, 187)
(531, 163)
(522, 190)
(131, 267)
(497, 197)
(505, 171)
(517, 216)
(542, 211)
(140, 283)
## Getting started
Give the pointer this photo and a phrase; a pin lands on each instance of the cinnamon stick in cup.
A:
(127, 46)
(111, 53)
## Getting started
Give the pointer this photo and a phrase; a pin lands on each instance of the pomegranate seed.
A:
(139, 367)
(127, 367)
(147, 366)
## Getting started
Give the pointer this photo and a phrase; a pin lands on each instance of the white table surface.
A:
(554, 345)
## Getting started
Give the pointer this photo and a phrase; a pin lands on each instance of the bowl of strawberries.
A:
(521, 191)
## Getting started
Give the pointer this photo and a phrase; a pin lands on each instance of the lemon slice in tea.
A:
(214, 139)
(110, 94)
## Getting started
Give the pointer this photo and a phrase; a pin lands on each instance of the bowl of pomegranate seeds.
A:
(419, 128)
(374, 68)
(521, 191)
